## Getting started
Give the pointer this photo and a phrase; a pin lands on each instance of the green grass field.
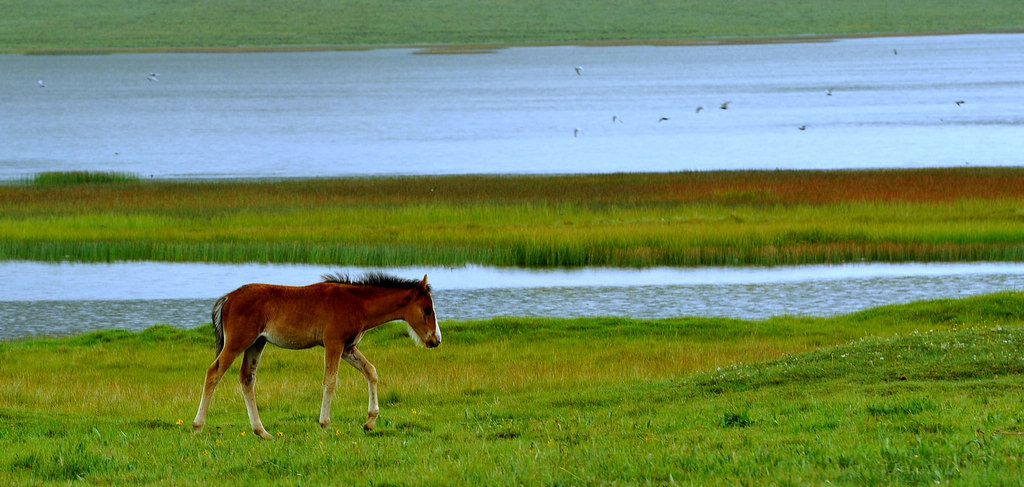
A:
(96, 26)
(920, 394)
(677, 219)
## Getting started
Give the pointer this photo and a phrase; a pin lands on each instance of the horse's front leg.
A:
(357, 360)
(332, 356)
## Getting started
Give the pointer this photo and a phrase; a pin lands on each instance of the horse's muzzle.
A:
(432, 342)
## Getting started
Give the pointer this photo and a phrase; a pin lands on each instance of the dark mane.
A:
(376, 279)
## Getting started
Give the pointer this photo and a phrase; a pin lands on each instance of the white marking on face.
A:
(415, 336)
(437, 328)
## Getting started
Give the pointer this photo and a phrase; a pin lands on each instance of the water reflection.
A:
(60, 299)
(749, 301)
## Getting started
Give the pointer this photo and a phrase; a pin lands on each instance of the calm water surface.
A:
(60, 299)
(518, 110)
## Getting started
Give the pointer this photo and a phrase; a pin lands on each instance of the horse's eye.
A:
(428, 311)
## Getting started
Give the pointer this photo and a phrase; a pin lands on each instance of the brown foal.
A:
(333, 314)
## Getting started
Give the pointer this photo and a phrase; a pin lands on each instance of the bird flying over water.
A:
(42, 84)
(828, 92)
(725, 105)
(699, 108)
(579, 70)
(802, 127)
(152, 76)
(662, 119)
(959, 102)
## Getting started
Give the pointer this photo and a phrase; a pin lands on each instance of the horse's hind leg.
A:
(247, 376)
(213, 376)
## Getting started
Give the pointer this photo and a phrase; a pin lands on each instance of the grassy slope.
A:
(914, 394)
(119, 24)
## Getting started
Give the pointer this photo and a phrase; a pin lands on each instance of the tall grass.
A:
(93, 25)
(680, 219)
(610, 220)
(911, 394)
(82, 177)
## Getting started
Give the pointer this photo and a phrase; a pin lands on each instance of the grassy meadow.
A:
(926, 393)
(675, 219)
(919, 394)
(110, 25)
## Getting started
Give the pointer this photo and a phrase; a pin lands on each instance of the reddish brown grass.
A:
(739, 187)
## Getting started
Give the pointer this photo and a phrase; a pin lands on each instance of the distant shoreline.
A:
(481, 48)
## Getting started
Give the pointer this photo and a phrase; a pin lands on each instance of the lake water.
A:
(862, 103)
(61, 299)
(518, 110)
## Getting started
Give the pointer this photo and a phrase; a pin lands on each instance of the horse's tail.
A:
(218, 322)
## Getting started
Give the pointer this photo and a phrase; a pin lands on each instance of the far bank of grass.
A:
(627, 220)
(918, 394)
(99, 26)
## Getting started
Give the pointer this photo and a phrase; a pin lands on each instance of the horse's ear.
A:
(423, 283)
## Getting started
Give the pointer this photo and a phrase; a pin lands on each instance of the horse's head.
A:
(419, 314)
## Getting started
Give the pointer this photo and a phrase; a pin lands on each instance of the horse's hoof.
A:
(371, 421)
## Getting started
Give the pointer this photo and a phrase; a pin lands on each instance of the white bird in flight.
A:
(42, 84)
(579, 70)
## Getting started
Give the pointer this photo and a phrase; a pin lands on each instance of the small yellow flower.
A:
(551, 441)
(243, 433)
(280, 433)
(413, 412)
(179, 422)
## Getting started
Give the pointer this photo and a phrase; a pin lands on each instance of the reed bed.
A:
(79, 177)
(677, 219)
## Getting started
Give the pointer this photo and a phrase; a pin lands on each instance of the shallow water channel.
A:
(69, 298)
